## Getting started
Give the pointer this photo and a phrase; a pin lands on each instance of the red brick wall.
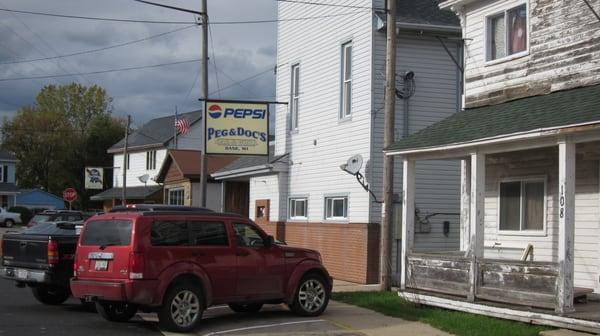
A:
(350, 251)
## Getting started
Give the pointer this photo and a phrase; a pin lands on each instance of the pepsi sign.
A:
(239, 128)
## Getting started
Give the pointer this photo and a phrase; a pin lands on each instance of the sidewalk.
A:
(345, 286)
(368, 322)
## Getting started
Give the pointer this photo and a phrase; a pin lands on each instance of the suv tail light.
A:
(75, 266)
(136, 265)
(52, 252)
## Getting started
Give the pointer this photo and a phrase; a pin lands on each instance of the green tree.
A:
(69, 127)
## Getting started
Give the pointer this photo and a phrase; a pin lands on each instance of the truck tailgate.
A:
(25, 251)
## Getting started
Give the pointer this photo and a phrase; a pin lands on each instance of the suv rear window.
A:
(107, 232)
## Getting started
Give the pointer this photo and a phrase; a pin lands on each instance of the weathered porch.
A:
(520, 166)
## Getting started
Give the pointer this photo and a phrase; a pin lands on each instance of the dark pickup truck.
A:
(41, 257)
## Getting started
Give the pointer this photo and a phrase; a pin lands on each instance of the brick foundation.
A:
(350, 251)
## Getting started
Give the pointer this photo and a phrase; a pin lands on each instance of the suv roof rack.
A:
(158, 207)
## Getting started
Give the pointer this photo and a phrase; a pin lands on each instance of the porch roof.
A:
(574, 107)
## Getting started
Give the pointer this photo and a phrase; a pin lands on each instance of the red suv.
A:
(178, 261)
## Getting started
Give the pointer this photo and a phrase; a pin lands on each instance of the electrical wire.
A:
(102, 71)
(214, 59)
(327, 4)
(98, 49)
(244, 80)
(189, 22)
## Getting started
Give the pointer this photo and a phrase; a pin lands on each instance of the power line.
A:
(327, 4)
(99, 49)
(94, 18)
(214, 59)
(247, 79)
(195, 23)
(102, 71)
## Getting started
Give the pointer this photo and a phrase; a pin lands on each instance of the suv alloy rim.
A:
(311, 295)
(185, 308)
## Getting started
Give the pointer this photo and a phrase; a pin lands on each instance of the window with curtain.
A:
(176, 197)
(507, 33)
(522, 205)
(298, 208)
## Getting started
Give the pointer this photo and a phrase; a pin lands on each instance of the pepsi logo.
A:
(215, 111)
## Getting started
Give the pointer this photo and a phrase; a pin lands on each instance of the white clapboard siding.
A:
(561, 35)
(266, 187)
(137, 167)
(435, 98)
(587, 215)
(322, 142)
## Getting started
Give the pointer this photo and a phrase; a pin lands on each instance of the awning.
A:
(133, 193)
(562, 109)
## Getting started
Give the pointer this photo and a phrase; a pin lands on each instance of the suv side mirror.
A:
(270, 241)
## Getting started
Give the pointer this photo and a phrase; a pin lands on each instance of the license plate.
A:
(22, 274)
(101, 265)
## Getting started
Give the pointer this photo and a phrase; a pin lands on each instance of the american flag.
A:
(182, 125)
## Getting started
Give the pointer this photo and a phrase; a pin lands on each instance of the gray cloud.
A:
(240, 52)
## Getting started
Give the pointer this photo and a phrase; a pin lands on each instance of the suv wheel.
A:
(116, 311)
(245, 307)
(50, 295)
(312, 296)
(9, 223)
(182, 308)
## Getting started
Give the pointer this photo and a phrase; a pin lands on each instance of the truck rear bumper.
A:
(132, 291)
(25, 275)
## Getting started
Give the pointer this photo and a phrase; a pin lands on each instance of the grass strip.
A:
(454, 322)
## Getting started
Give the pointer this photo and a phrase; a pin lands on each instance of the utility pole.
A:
(388, 139)
(203, 14)
(203, 163)
(125, 163)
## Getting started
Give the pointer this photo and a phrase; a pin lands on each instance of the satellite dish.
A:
(353, 165)
(144, 178)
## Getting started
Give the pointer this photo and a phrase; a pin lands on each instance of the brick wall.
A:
(350, 251)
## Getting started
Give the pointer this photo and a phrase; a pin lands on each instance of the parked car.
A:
(8, 219)
(178, 261)
(57, 216)
(41, 257)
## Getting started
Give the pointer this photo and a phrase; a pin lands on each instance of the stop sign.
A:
(69, 195)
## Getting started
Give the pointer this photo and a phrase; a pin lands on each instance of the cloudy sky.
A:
(240, 51)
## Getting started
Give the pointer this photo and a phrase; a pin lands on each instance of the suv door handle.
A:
(198, 254)
(242, 253)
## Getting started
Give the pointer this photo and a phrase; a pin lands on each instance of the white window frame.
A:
(346, 106)
(544, 230)
(291, 215)
(336, 198)
(487, 35)
(151, 160)
(294, 96)
(173, 190)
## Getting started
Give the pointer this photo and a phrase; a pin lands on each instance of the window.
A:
(298, 208)
(346, 99)
(2, 170)
(127, 159)
(103, 232)
(336, 207)
(295, 96)
(208, 233)
(507, 33)
(5, 201)
(176, 196)
(522, 205)
(248, 236)
(170, 233)
(151, 160)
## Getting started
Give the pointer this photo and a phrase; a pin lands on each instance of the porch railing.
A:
(510, 281)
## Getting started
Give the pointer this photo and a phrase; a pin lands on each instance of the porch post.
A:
(476, 219)
(465, 203)
(566, 225)
(408, 216)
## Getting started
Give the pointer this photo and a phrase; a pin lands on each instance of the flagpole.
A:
(175, 127)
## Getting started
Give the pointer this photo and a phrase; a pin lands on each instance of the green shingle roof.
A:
(562, 108)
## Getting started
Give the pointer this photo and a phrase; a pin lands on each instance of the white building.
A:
(330, 70)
